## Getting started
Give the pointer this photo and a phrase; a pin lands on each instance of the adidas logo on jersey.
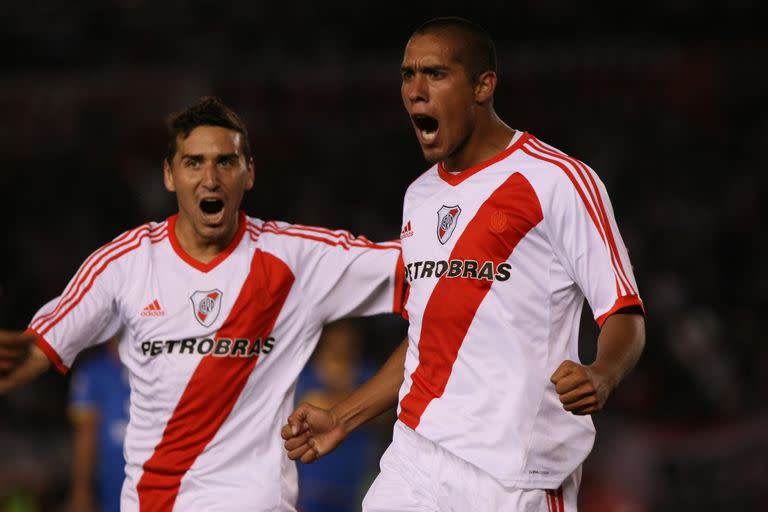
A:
(407, 231)
(153, 309)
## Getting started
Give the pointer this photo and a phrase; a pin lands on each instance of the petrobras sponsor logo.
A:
(464, 269)
(220, 347)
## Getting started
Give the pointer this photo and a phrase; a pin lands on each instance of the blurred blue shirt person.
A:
(338, 481)
(98, 408)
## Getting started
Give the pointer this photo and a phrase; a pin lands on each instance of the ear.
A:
(485, 85)
(170, 186)
(251, 175)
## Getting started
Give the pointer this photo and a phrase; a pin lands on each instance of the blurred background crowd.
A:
(666, 100)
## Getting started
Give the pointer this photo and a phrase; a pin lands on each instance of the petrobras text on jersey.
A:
(468, 269)
(222, 347)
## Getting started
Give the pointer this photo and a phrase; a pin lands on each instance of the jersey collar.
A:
(199, 265)
(455, 179)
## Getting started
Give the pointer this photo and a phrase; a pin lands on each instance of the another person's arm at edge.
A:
(26, 366)
(85, 422)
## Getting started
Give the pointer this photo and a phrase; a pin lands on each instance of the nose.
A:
(210, 178)
(415, 90)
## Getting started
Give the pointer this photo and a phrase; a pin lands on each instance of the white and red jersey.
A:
(214, 350)
(500, 258)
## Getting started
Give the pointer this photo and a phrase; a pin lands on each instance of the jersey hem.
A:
(533, 483)
(49, 351)
(621, 302)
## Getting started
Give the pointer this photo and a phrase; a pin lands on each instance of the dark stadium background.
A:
(665, 99)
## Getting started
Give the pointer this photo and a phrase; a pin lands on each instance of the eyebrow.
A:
(219, 158)
(425, 69)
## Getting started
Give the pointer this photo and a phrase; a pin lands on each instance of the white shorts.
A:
(418, 475)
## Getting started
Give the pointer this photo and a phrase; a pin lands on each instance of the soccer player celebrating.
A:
(216, 314)
(503, 238)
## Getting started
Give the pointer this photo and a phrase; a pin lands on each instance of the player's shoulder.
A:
(424, 184)
(291, 234)
(550, 169)
(131, 243)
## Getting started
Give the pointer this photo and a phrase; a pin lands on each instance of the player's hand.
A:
(14, 349)
(311, 432)
(582, 389)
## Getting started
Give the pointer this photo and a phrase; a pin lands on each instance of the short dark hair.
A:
(208, 111)
(477, 53)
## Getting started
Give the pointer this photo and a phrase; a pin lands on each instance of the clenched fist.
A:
(582, 389)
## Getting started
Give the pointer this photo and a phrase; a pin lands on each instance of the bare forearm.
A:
(35, 364)
(376, 396)
(619, 346)
(84, 450)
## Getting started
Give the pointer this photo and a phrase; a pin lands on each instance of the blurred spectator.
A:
(337, 482)
(98, 408)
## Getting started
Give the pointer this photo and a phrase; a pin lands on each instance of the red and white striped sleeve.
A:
(343, 275)
(86, 313)
(586, 238)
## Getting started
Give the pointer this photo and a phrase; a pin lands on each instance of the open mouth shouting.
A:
(426, 128)
(212, 210)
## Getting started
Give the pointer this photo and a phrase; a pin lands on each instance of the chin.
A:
(433, 155)
(213, 232)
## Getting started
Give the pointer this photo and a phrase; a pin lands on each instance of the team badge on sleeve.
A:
(206, 306)
(447, 216)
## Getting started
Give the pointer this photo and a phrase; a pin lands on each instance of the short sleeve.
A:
(83, 316)
(346, 276)
(587, 242)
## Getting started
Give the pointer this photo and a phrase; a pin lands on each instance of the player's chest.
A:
(172, 300)
(468, 232)
(434, 226)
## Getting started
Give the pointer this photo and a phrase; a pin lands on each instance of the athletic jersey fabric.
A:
(499, 259)
(214, 350)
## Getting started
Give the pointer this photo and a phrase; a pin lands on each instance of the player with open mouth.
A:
(217, 313)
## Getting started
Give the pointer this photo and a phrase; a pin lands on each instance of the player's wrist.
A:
(342, 423)
(608, 378)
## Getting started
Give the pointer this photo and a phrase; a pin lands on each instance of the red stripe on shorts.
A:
(454, 301)
(215, 385)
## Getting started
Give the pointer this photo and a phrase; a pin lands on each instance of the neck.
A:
(488, 139)
(199, 246)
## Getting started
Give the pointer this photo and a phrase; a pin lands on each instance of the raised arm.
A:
(312, 432)
(584, 389)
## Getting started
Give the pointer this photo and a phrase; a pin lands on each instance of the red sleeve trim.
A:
(621, 302)
(399, 300)
(49, 351)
